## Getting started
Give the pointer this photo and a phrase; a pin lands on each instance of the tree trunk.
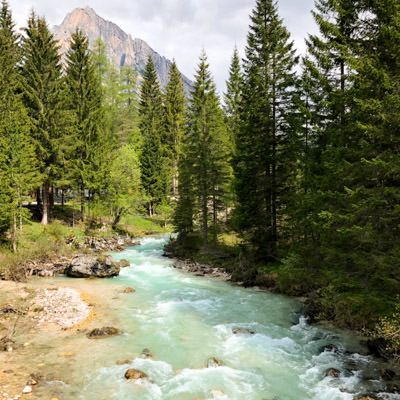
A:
(51, 203)
(45, 208)
(62, 199)
(20, 219)
(82, 203)
(39, 201)
(14, 233)
(116, 220)
(214, 220)
(205, 220)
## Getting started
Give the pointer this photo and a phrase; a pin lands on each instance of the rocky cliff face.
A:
(121, 47)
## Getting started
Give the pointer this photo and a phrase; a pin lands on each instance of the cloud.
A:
(180, 29)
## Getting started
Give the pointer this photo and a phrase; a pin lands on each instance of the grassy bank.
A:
(39, 243)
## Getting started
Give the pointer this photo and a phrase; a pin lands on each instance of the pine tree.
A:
(233, 96)
(370, 216)
(205, 169)
(328, 132)
(128, 116)
(175, 120)
(43, 99)
(265, 152)
(151, 126)
(18, 165)
(91, 143)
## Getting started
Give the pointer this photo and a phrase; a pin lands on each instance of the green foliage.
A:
(43, 96)
(175, 123)
(18, 164)
(266, 143)
(91, 144)
(153, 157)
(205, 169)
(233, 96)
(123, 189)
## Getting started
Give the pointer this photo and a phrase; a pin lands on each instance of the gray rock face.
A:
(83, 266)
(121, 47)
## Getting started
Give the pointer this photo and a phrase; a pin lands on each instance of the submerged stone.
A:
(333, 372)
(243, 331)
(214, 363)
(102, 332)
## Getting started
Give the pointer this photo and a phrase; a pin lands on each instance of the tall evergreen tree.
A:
(128, 116)
(18, 165)
(43, 98)
(151, 126)
(264, 148)
(175, 120)
(91, 144)
(233, 96)
(328, 130)
(205, 169)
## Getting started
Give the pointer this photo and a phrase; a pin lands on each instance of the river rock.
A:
(242, 331)
(330, 347)
(124, 264)
(388, 374)
(129, 290)
(102, 332)
(393, 388)
(134, 374)
(333, 372)
(365, 397)
(83, 266)
(135, 243)
(146, 353)
(27, 389)
(214, 363)
(122, 362)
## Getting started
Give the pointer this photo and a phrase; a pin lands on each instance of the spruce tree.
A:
(329, 146)
(233, 96)
(18, 164)
(44, 101)
(265, 153)
(91, 143)
(369, 217)
(128, 115)
(151, 126)
(175, 121)
(206, 168)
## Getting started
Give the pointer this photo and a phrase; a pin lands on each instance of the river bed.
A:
(186, 320)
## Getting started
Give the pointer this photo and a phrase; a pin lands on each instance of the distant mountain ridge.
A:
(121, 47)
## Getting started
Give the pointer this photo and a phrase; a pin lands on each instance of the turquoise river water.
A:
(185, 320)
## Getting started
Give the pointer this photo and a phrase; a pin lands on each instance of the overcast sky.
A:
(181, 28)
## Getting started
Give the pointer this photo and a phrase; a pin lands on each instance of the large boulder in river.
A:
(133, 374)
(84, 266)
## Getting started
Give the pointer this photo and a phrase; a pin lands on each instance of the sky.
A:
(180, 29)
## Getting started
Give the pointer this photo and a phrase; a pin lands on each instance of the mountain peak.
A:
(121, 48)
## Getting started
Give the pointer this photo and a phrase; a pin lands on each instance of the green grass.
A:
(138, 225)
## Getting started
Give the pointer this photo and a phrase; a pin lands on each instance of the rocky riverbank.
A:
(50, 266)
(45, 325)
(199, 269)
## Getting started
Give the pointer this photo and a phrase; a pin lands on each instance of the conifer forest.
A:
(290, 180)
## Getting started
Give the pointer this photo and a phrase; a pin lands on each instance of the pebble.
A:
(27, 389)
